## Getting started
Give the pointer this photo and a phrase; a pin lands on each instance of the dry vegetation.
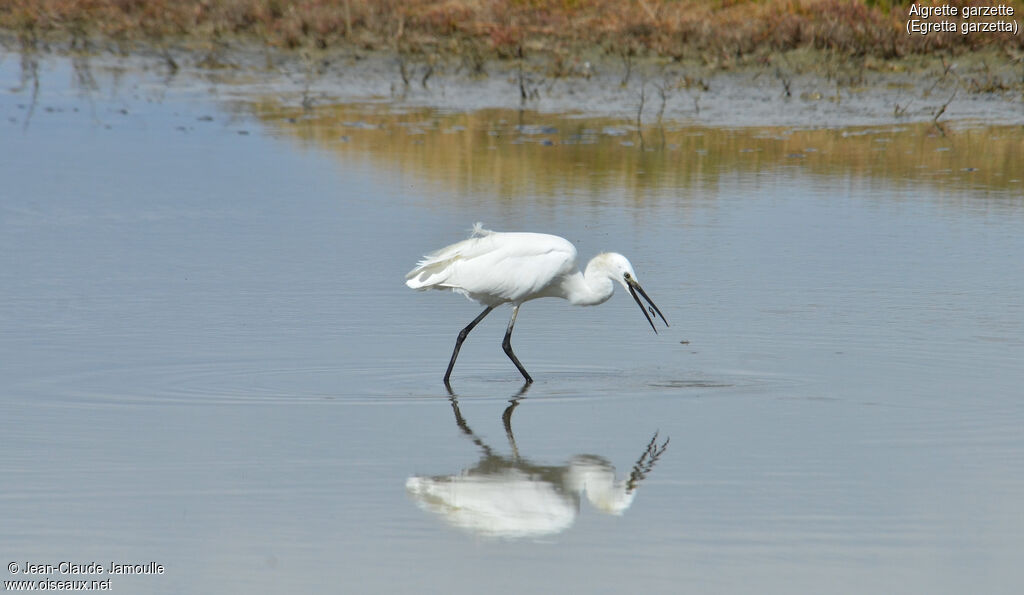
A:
(717, 31)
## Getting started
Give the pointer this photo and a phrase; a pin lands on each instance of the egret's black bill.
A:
(634, 287)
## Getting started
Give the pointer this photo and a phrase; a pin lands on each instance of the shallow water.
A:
(208, 359)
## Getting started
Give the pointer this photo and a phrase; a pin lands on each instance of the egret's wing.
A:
(496, 267)
(434, 268)
(518, 266)
(431, 268)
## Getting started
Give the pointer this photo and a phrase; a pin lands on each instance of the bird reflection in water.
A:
(512, 497)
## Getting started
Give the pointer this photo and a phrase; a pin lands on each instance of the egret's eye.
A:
(626, 276)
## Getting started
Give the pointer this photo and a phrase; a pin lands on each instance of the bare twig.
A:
(627, 58)
(664, 93)
(947, 68)
(172, 65)
(522, 76)
(786, 82)
(640, 113)
(29, 75)
(403, 71)
(942, 109)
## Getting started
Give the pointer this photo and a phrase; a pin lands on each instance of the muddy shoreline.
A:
(799, 88)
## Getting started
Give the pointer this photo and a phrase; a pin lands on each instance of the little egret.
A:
(494, 268)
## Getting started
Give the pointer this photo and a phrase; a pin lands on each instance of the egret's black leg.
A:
(507, 345)
(462, 337)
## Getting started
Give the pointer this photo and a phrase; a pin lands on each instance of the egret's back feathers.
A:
(496, 267)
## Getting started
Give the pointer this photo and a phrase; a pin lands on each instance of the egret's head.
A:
(619, 268)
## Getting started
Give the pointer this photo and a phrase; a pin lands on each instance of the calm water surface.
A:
(208, 358)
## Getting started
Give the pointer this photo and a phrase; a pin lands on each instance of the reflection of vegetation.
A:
(511, 153)
(29, 77)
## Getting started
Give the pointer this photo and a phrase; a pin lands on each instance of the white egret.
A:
(494, 268)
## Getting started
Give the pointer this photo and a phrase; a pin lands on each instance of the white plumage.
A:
(494, 268)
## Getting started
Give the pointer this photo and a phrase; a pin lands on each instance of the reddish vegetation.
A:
(715, 29)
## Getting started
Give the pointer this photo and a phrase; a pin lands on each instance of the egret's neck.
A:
(587, 289)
